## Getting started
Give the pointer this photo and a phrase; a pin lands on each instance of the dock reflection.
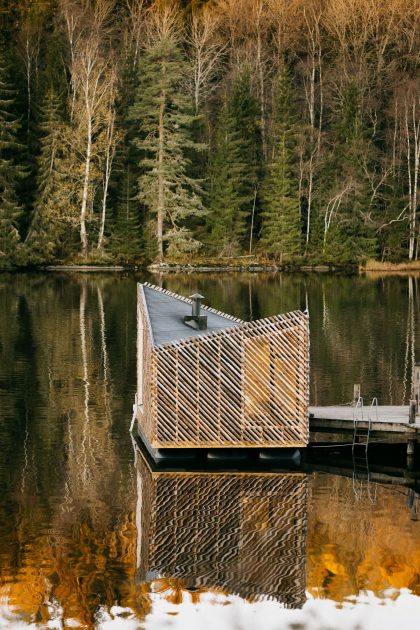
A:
(239, 533)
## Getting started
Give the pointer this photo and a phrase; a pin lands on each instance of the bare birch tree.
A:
(412, 138)
(111, 138)
(406, 158)
(92, 78)
(29, 40)
(136, 23)
(314, 99)
(206, 50)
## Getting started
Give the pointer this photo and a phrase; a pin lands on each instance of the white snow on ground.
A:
(399, 610)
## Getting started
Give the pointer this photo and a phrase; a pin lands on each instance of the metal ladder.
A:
(360, 417)
(361, 436)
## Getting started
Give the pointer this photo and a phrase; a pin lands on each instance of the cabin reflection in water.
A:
(242, 533)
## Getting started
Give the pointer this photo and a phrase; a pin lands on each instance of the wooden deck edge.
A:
(227, 447)
(157, 450)
(347, 426)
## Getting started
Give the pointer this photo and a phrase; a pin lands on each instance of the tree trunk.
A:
(309, 212)
(252, 220)
(262, 94)
(104, 198)
(83, 233)
(416, 130)
(28, 88)
(412, 211)
(107, 175)
(161, 181)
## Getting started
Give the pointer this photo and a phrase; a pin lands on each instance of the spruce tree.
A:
(164, 118)
(126, 238)
(46, 227)
(285, 118)
(234, 170)
(281, 221)
(11, 172)
(227, 196)
(281, 229)
(126, 232)
(245, 110)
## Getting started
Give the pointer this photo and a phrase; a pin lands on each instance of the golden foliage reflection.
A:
(367, 540)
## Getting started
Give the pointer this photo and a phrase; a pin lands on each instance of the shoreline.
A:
(371, 267)
(186, 268)
(387, 267)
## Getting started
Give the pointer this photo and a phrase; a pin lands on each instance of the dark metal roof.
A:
(166, 315)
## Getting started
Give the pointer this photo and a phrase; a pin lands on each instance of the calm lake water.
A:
(90, 537)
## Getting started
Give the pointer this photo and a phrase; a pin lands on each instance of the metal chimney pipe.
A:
(196, 304)
(196, 320)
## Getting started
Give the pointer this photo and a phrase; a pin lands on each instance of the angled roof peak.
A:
(166, 312)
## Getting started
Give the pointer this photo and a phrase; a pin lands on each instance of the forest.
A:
(170, 131)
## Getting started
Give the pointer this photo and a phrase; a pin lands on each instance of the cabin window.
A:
(271, 377)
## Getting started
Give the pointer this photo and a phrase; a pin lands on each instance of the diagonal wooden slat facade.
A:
(244, 533)
(245, 385)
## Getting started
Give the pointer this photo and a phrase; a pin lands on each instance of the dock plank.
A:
(387, 419)
(386, 413)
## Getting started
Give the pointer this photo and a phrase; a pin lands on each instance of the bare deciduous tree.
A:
(206, 50)
(29, 40)
(136, 10)
(406, 144)
(111, 138)
(92, 78)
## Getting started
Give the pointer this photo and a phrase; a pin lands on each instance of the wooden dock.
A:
(387, 423)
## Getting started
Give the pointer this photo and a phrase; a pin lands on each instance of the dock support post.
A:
(411, 444)
(412, 411)
(412, 504)
(356, 392)
(416, 384)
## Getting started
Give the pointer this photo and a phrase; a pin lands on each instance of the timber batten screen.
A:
(237, 384)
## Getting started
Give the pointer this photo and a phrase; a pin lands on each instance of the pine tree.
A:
(234, 170)
(227, 197)
(11, 172)
(126, 232)
(43, 238)
(163, 113)
(281, 229)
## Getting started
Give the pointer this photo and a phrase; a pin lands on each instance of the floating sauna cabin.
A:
(206, 380)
